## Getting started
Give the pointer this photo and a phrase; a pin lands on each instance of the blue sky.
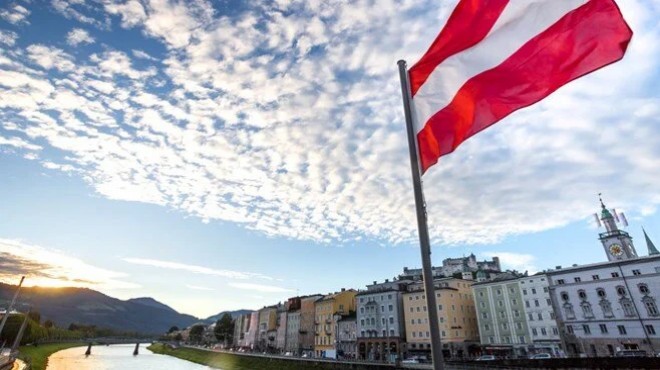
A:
(223, 155)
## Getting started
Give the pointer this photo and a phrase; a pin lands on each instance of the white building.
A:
(610, 306)
(540, 315)
(380, 320)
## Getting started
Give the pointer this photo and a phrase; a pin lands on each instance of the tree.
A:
(173, 329)
(196, 333)
(48, 324)
(178, 337)
(35, 316)
(224, 329)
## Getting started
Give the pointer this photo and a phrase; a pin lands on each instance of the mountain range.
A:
(85, 306)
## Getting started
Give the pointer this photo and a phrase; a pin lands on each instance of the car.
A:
(486, 358)
(540, 356)
(410, 361)
(288, 354)
(305, 355)
(631, 353)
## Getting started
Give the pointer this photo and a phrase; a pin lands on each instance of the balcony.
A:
(613, 233)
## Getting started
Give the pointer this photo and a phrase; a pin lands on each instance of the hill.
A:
(234, 315)
(86, 306)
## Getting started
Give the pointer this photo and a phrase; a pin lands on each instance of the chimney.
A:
(375, 282)
(343, 289)
(387, 280)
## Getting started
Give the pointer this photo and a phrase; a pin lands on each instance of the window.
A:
(595, 277)
(504, 326)
(412, 321)
(577, 279)
(491, 340)
(545, 289)
(570, 314)
(587, 329)
(649, 329)
(533, 290)
(484, 315)
(527, 304)
(362, 322)
(651, 307)
(536, 303)
(582, 294)
(511, 290)
(636, 272)
(531, 317)
(535, 332)
(548, 301)
(540, 316)
(544, 332)
(524, 291)
(644, 289)
(628, 308)
(502, 314)
(522, 339)
(622, 329)
(600, 292)
(603, 328)
(391, 320)
(519, 325)
(552, 315)
(362, 310)
(391, 308)
(564, 296)
(514, 302)
(615, 274)
(412, 309)
(410, 298)
(499, 292)
(516, 313)
(621, 291)
(569, 329)
(587, 311)
(606, 306)
(560, 281)
(440, 307)
(414, 335)
(555, 331)
(486, 327)
(500, 303)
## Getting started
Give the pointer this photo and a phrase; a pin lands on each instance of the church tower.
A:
(617, 243)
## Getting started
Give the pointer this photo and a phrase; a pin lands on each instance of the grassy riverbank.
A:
(38, 355)
(229, 361)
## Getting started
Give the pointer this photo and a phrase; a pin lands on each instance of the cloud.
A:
(286, 117)
(514, 261)
(15, 14)
(8, 37)
(51, 268)
(142, 55)
(195, 287)
(194, 269)
(260, 288)
(78, 36)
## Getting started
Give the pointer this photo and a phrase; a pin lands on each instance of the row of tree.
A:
(223, 332)
(35, 332)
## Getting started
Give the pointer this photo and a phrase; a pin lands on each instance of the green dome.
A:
(606, 214)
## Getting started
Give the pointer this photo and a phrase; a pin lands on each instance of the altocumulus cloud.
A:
(286, 117)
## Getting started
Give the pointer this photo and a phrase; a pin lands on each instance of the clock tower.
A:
(617, 243)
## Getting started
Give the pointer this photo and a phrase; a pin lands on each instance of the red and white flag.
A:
(494, 57)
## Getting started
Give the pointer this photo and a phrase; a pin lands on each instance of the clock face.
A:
(616, 250)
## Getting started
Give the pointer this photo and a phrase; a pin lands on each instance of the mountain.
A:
(86, 306)
(234, 315)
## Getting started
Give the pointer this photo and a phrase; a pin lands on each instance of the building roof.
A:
(603, 264)
(649, 244)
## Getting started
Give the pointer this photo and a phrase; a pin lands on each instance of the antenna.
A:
(616, 216)
(624, 219)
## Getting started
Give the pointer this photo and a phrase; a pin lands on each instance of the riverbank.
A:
(37, 356)
(231, 361)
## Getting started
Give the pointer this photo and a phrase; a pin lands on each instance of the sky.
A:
(218, 155)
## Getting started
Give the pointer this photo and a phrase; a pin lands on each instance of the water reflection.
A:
(116, 357)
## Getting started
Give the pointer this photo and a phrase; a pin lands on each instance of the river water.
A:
(116, 357)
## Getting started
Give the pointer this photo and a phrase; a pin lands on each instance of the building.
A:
(307, 324)
(380, 321)
(327, 309)
(609, 306)
(267, 331)
(457, 318)
(451, 266)
(281, 325)
(292, 343)
(245, 330)
(516, 316)
(346, 336)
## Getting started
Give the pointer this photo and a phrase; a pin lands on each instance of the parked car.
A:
(631, 353)
(410, 361)
(541, 356)
(486, 358)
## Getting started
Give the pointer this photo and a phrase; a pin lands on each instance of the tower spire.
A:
(600, 197)
(649, 244)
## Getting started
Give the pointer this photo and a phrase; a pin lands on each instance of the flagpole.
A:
(424, 242)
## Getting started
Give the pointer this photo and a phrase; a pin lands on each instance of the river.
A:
(117, 357)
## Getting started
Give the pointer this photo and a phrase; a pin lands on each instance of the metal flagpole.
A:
(424, 242)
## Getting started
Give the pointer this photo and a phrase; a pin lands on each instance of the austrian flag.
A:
(494, 57)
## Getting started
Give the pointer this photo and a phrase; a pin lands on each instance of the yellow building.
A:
(327, 311)
(456, 313)
(267, 328)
